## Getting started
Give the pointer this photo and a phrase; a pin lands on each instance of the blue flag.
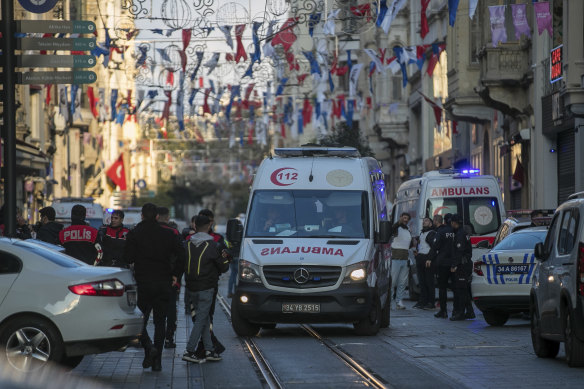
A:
(300, 122)
(350, 111)
(113, 101)
(314, 68)
(381, 12)
(452, 7)
(313, 22)
(398, 51)
(280, 89)
(142, 58)
(256, 42)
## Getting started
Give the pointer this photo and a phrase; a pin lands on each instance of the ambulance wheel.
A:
(370, 324)
(241, 326)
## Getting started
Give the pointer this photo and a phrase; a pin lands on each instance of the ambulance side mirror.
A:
(384, 233)
(234, 231)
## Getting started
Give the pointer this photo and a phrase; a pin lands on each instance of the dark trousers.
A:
(426, 279)
(461, 289)
(154, 296)
(171, 313)
(444, 277)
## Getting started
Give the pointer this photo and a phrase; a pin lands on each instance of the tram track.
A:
(270, 376)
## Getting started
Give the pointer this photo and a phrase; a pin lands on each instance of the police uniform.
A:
(442, 251)
(80, 241)
(462, 254)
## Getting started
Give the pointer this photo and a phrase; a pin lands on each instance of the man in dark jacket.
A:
(424, 267)
(49, 229)
(150, 248)
(442, 249)
(113, 240)
(79, 239)
(462, 254)
(205, 262)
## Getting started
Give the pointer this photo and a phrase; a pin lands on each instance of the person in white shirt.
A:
(401, 243)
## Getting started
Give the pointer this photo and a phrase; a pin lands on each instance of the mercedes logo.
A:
(301, 276)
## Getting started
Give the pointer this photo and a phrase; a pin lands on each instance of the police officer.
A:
(442, 249)
(150, 247)
(462, 254)
(424, 267)
(79, 239)
(113, 240)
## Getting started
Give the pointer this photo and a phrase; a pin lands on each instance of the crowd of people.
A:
(443, 249)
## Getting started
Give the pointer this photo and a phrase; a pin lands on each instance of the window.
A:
(481, 214)
(475, 35)
(9, 264)
(49, 254)
(396, 88)
(568, 230)
(521, 241)
(551, 236)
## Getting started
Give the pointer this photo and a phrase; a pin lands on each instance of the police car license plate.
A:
(512, 269)
(300, 308)
(131, 295)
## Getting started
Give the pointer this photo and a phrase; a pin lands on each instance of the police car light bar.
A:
(317, 151)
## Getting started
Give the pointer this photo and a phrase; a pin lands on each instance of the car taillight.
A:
(99, 288)
(477, 268)
(581, 269)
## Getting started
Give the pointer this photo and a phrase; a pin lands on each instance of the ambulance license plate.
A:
(512, 269)
(300, 308)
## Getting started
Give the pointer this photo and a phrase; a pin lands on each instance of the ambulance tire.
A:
(369, 325)
(241, 326)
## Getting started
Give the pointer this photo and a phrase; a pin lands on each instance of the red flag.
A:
(424, 29)
(248, 90)
(166, 109)
(170, 78)
(437, 109)
(301, 77)
(205, 103)
(48, 99)
(117, 173)
(250, 136)
(306, 112)
(186, 38)
(240, 52)
(362, 10)
(92, 101)
(229, 57)
(519, 173)
(283, 129)
(286, 36)
(455, 127)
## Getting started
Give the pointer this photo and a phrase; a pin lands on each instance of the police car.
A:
(502, 277)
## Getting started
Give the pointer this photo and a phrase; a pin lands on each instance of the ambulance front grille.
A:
(318, 276)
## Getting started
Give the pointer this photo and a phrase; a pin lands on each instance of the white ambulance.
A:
(94, 211)
(475, 197)
(314, 246)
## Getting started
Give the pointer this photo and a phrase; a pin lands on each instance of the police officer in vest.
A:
(79, 239)
(462, 254)
(113, 241)
(424, 266)
(442, 247)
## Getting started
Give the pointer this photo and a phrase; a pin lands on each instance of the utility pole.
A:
(9, 116)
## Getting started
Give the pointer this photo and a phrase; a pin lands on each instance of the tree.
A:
(344, 135)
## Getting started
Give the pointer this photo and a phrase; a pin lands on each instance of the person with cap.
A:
(461, 254)
(48, 229)
(150, 247)
(442, 251)
(113, 240)
(80, 239)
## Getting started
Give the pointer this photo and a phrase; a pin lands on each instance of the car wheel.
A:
(543, 348)
(70, 363)
(574, 346)
(268, 326)
(495, 318)
(242, 326)
(29, 343)
(386, 312)
(370, 324)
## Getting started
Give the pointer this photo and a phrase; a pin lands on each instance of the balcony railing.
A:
(507, 64)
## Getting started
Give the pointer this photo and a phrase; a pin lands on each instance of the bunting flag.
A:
(393, 65)
(292, 63)
(436, 108)
(402, 60)
(164, 55)
(362, 10)
(206, 108)
(217, 103)
(437, 48)
(375, 59)
(249, 71)
(113, 104)
(213, 62)
(141, 61)
(92, 101)
(391, 14)
(381, 12)
(117, 173)
(372, 67)
(102, 109)
(192, 96)
(313, 22)
(300, 121)
(186, 38)
(301, 77)
(226, 30)
(424, 29)
(543, 17)
(354, 78)
(167, 104)
(519, 174)
(520, 21)
(76, 102)
(240, 52)
(212, 86)
(235, 91)
(121, 116)
(454, 127)
(285, 36)
(199, 55)
(472, 7)
(421, 55)
(350, 112)
(452, 8)
(314, 68)
(498, 30)
(329, 26)
(48, 98)
(306, 112)
(280, 89)
(256, 42)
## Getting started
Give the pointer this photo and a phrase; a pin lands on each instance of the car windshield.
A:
(50, 254)
(521, 241)
(309, 213)
(481, 214)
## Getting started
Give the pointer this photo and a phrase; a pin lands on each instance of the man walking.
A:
(49, 229)
(442, 246)
(402, 241)
(113, 240)
(424, 267)
(205, 262)
(150, 248)
(79, 239)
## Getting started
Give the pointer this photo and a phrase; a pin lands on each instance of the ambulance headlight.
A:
(249, 272)
(356, 272)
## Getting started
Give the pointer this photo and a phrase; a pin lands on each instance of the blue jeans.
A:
(234, 268)
(201, 302)
(399, 276)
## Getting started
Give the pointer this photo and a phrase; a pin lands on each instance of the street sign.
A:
(78, 77)
(55, 61)
(56, 26)
(75, 44)
(38, 6)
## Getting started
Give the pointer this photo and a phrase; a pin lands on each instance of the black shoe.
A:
(470, 315)
(168, 343)
(441, 315)
(419, 306)
(212, 356)
(429, 306)
(457, 317)
(149, 354)
(192, 357)
(157, 362)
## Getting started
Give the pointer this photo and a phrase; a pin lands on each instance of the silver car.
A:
(56, 308)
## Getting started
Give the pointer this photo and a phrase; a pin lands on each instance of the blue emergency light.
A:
(110, 210)
(470, 171)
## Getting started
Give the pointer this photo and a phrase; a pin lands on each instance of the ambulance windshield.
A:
(481, 214)
(309, 214)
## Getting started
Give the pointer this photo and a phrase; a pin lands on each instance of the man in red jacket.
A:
(79, 239)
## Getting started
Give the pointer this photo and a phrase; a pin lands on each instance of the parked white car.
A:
(56, 308)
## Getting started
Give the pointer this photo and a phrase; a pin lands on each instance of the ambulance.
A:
(476, 198)
(94, 211)
(314, 244)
